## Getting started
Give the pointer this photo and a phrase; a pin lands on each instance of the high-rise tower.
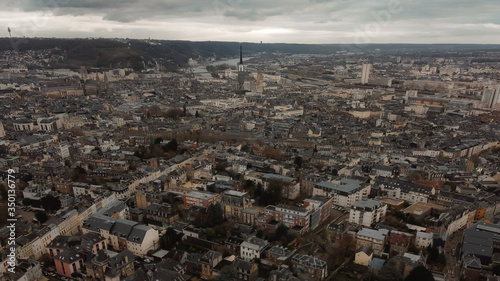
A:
(2, 131)
(488, 97)
(260, 80)
(365, 73)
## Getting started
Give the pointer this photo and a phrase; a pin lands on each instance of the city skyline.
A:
(315, 22)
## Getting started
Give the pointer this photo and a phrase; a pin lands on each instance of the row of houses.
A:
(67, 222)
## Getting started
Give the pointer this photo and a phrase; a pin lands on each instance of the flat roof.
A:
(199, 194)
(345, 185)
(235, 193)
(367, 204)
(379, 234)
(423, 207)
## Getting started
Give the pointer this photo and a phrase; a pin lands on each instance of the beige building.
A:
(372, 238)
(363, 256)
(233, 203)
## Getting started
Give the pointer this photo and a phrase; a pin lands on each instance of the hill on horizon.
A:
(173, 54)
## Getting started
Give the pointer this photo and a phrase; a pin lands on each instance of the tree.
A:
(245, 148)
(496, 269)
(223, 228)
(298, 161)
(390, 272)
(98, 149)
(155, 110)
(27, 202)
(210, 232)
(281, 230)
(3, 191)
(79, 174)
(420, 273)
(173, 113)
(415, 176)
(171, 145)
(215, 214)
(228, 273)
(41, 216)
(50, 203)
(273, 194)
(170, 239)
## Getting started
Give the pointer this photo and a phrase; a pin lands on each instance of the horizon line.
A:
(260, 42)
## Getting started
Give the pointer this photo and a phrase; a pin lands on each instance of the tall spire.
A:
(241, 54)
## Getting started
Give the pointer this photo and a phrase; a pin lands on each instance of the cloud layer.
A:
(290, 21)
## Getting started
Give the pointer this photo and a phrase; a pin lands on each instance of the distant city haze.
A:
(290, 21)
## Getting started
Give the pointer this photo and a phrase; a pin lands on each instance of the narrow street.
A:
(452, 253)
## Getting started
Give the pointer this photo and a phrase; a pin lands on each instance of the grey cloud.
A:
(418, 18)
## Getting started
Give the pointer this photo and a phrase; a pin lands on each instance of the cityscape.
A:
(176, 160)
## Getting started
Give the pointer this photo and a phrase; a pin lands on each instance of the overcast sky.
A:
(270, 21)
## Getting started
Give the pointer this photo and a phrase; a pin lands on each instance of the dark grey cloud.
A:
(290, 20)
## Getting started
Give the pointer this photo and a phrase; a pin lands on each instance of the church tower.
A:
(241, 71)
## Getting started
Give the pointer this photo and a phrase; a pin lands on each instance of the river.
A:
(201, 70)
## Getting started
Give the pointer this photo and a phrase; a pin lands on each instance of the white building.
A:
(367, 212)
(344, 191)
(408, 191)
(124, 234)
(36, 192)
(252, 248)
(423, 239)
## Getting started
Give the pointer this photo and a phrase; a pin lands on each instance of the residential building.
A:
(64, 186)
(247, 271)
(161, 214)
(90, 242)
(423, 239)
(69, 262)
(367, 212)
(410, 192)
(344, 191)
(481, 240)
(110, 266)
(297, 218)
(407, 262)
(364, 256)
(399, 242)
(278, 255)
(26, 270)
(372, 238)
(253, 248)
(124, 234)
(198, 198)
(320, 209)
(313, 266)
(233, 203)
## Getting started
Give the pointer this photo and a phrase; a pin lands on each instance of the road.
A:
(453, 243)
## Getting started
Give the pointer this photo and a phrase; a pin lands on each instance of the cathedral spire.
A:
(241, 54)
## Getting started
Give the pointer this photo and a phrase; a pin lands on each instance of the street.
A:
(452, 253)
